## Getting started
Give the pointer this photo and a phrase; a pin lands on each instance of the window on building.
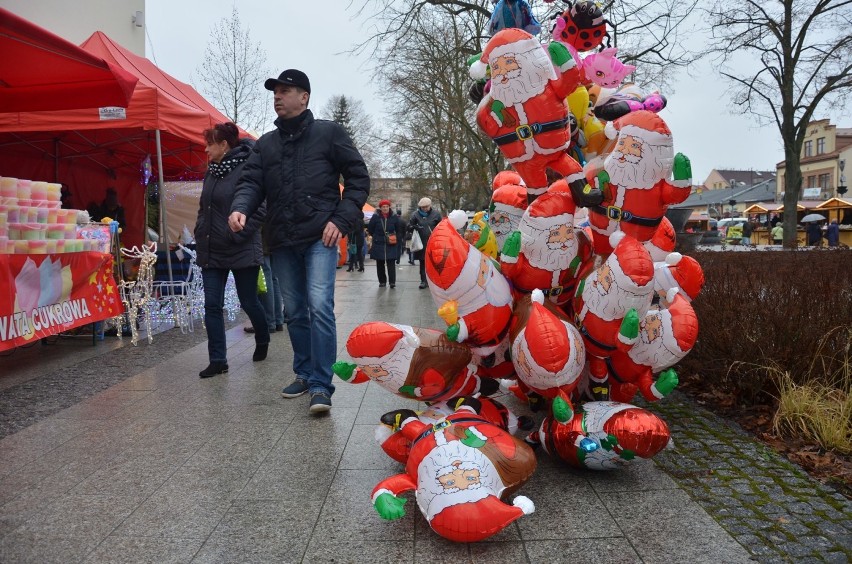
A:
(823, 181)
(812, 182)
(808, 149)
(820, 145)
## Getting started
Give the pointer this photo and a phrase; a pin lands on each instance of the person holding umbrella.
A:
(814, 234)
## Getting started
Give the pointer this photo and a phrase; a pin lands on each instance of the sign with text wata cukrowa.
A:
(42, 295)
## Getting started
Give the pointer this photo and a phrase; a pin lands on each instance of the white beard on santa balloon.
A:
(651, 350)
(452, 474)
(548, 245)
(640, 171)
(608, 299)
(534, 69)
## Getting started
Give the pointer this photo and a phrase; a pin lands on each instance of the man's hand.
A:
(237, 221)
(330, 235)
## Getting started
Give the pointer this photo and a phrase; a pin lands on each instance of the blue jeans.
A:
(214, 303)
(306, 275)
(272, 302)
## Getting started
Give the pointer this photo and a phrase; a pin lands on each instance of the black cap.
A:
(290, 77)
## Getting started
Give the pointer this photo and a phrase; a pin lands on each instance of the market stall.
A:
(55, 275)
(43, 267)
(157, 135)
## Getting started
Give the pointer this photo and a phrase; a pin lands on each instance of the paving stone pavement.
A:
(116, 453)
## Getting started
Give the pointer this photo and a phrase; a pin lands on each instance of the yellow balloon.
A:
(578, 103)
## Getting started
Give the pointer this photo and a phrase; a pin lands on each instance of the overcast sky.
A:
(313, 37)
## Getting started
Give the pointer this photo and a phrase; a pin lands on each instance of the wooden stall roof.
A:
(834, 204)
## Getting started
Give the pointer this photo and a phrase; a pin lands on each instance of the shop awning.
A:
(42, 71)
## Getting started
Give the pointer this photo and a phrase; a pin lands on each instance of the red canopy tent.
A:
(36, 64)
(92, 149)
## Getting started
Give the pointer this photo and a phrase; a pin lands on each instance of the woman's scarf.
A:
(228, 163)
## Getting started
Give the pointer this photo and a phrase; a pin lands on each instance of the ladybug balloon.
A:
(582, 25)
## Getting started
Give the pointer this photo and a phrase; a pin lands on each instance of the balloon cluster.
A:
(574, 319)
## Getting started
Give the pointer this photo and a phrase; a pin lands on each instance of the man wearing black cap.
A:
(296, 168)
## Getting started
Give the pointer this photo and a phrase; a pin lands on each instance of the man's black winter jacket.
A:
(298, 174)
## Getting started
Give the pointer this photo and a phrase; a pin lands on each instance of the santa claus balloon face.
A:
(411, 362)
(508, 203)
(518, 76)
(665, 336)
(637, 163)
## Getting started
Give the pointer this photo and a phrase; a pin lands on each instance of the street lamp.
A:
(732, 203)
(841, 188)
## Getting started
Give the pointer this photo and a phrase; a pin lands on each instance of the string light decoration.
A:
(232, 302)
(138, 295)
(195, 287)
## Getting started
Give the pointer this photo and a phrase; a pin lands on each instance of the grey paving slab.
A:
(189, 515)
(90, 517)
(358, 551)
(348, 513)
(583, 551)
(157, 465)
(132, 550)
(39, 548)
(667, 526)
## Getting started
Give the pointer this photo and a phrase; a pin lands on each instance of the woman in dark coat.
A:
(424, 220)
(220, 250)
(386, 229)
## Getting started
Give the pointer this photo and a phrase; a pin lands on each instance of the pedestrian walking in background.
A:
(814, 232)
(295, 168)
(221, 251)
(778, 233)
(748, 229)
(832, 233)
(356, 249)
(423, 221)
(386, 229)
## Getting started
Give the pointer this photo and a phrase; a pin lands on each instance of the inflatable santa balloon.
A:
(665, 336)
(635, 180)
(547, 252)
(473, 298)
(461, 469)
(610, 301)
(508, 203)
(411, 362)
(662, 242)
(680, 272)
(524, 112)
(397, 446)
(603, 435)
(547, 352)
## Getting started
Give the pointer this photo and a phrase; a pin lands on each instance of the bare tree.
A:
(434, 137)
(785, 59)
(648, 34)
(350, 114)
(233, 72)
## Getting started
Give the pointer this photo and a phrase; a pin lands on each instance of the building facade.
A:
(404, 193)
(826, 151)
(122, 20)
(721, 179)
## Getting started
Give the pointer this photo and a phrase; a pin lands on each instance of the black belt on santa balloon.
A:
(530, 130)
(618, 214)
(443, 425)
